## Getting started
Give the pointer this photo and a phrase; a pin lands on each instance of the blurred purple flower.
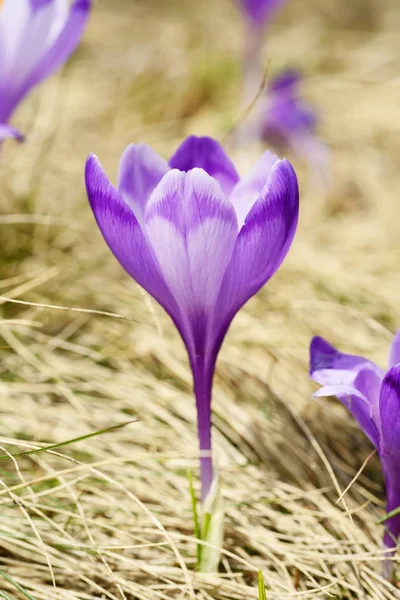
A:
(200, 240)
(288, 119)
(288, 122)
(373, 398)
(36, 38)
(6, 131)
(259, 12)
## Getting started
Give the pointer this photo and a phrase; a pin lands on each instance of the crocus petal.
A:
(261, 246)
(6, 131)
(141, 170)
(36, 38)
(389, 404)
(41, 28)
(394, 357)
(357, 404)
(64, 45)
(340, 390)
(355, 381)
(13, 24)
(247, 191)
(123, 234)
(192, 229)
(328, 365)
(206, 153)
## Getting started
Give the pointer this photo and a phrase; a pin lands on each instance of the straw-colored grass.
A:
(110, 517)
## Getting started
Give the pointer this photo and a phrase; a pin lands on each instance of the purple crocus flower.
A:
(288, 122)
(200, 240)
(373, 398)
(259, 12)
(6, 132)
(36, 38)
(288, 119)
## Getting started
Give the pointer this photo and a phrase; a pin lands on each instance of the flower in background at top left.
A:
(36, 38)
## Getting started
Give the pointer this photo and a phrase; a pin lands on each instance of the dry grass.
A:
(110, 517)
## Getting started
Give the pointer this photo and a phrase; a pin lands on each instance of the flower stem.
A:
(202, 380)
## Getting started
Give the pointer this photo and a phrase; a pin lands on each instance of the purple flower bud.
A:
(200, 240)
(373, 398)
(36, 38)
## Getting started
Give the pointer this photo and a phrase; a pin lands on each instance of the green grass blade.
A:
(68, 442)
(203, 536)
(5, 596)
(206, 525)
(262, 593)
(392, 513)
(16, 585)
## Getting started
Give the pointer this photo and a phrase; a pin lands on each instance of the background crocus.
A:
(373, 398)
(6, 132)
(36, 38)
(289, 122)
(200, 240)
(288, 118)
(259, 12)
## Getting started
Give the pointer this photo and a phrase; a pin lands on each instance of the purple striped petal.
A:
(261, 246)
(13, 24)
(389, 405)
(6, 131)
(394, 357)
(41, 29)
(206, 153)
(36, 38)
(64, 45)
(328, 365)
(124, 236)
(26, 29)
(357, 404)
(342, 390)
(192, 229)
(141, 170)
(354, 380)
(247, 191)
(390, 448)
